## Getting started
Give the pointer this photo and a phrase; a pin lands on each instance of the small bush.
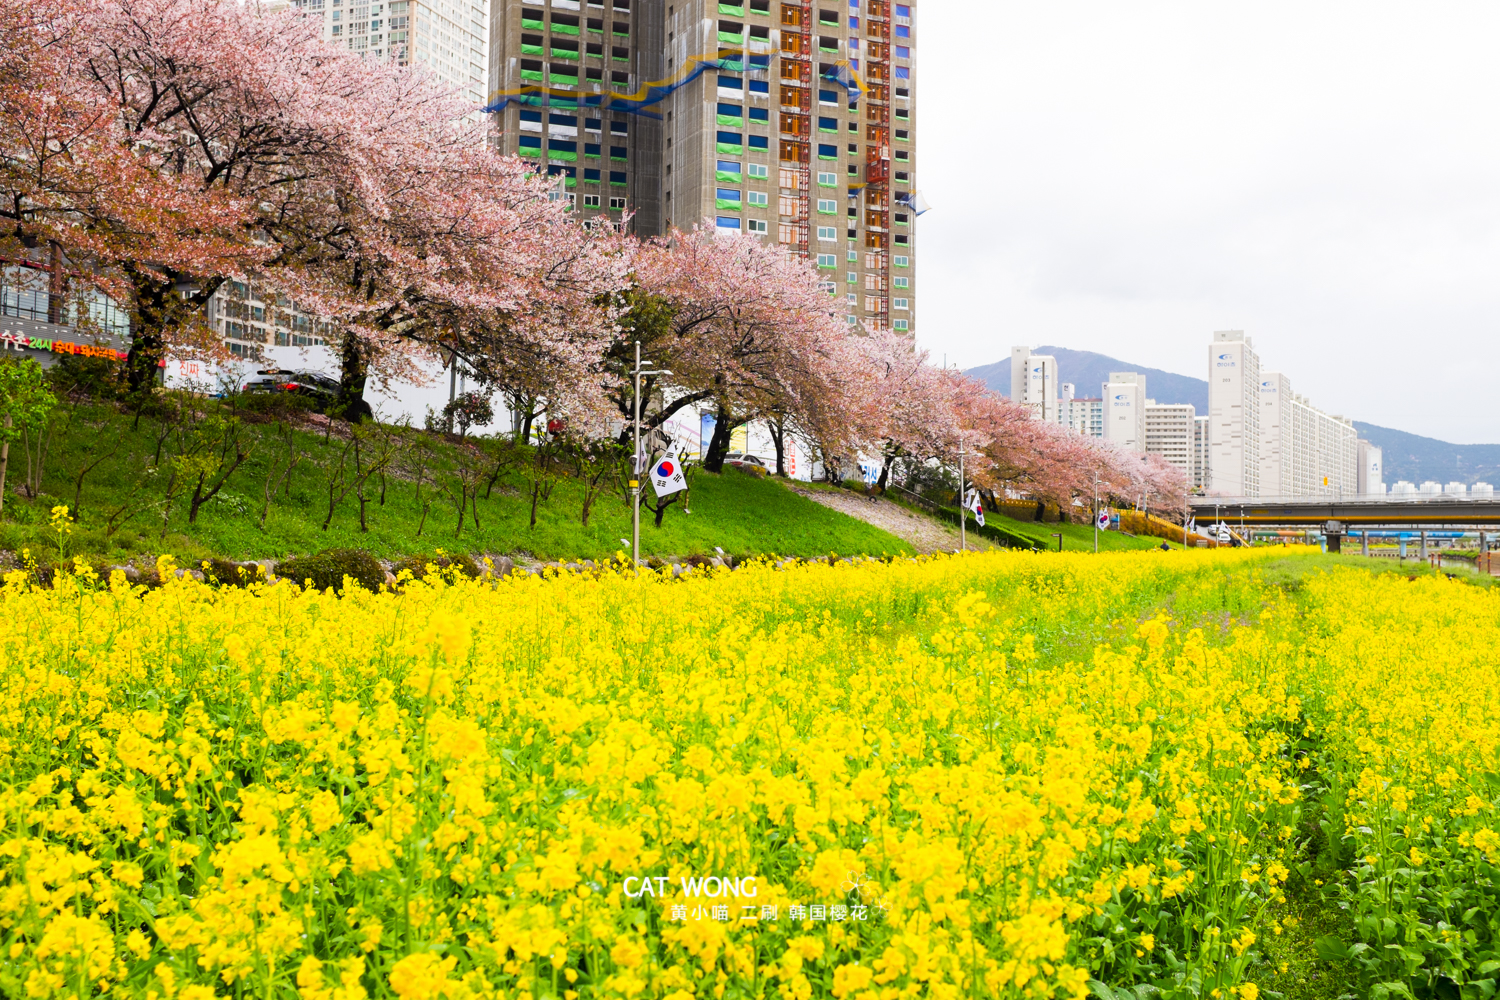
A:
(444, 561)
(96, 378)
(230, 574)
(263, 407)
(329, 567)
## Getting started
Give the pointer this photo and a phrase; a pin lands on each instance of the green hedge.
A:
(328, 569)
(1003, 536)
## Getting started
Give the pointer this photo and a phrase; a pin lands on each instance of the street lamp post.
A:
(1096, 517)
(963, 532)
(636, 465)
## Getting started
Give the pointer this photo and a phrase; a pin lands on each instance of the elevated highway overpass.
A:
(1335, 518)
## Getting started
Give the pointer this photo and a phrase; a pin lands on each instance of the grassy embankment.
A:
(124, 509)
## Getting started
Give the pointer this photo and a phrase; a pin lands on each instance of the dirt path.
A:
(922, 533)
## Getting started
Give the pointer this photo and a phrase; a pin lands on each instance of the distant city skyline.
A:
(1318, 176)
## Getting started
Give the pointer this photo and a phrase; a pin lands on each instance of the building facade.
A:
(1268, 441)
(1125, 410)
(1034, 383)
(251, 317)
(1234, 415)
(790, 122)
(1201, 453)
(1371, 470)
(449, 37)
(1171, 432)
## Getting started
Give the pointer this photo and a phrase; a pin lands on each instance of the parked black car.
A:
(319, 389)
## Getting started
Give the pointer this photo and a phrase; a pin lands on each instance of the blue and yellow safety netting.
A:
(729, 60)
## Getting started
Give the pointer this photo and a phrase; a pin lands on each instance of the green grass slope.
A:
(741, 514)
(1076, 537)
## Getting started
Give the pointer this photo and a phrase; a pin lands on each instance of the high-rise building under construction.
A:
(786, 121)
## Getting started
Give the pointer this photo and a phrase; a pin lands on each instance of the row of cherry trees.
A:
(163, 146)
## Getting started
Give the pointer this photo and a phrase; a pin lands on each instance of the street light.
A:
(635, 460)
(1096, 515)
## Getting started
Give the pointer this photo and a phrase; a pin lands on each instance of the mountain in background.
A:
(1089, 371)
(1416, 459)
(1411, 457)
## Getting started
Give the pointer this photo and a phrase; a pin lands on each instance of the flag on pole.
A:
(1193, 523)
(976, 505)
(666, 475)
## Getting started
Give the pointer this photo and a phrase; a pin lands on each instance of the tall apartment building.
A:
(1234, 415)
(251, 317)
(1170, 432)
(449, 37)
(1265, 439)
(1200, 453)
(1371, 481)
(1125, 409)
(1033, 383)
(790, 122)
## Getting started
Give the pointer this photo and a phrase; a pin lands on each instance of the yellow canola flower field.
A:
(1005, 775)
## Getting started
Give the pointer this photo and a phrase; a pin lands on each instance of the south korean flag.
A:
(666, 474)
(973, 503)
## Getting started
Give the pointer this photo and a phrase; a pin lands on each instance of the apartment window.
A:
(617, 204)
(827, 261)
(591, 201)
(827, 151)
(853, 320)
(828, 97)
(900, 282)
(900, 261)
(826, 124)
(899, 324)
(827, 179)
(760, 142)
(827, 233)
(757, 225)
(760, 116)
(852, 298)
(727, 170)
(854, 258)
(898, 303)
(731, 110)
(758, 198)
(727, 198)
(902, 135)
(727, 222)
(853, 278)
(591, 149)
(827, 206)
(903, 31)
(617, 177)
(759, 170)
(591, 174)
(853, 149)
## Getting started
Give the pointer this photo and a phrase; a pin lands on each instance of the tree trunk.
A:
(778, 440)
(718, 445)
(4, 462)
(885, 473)
(353, 373)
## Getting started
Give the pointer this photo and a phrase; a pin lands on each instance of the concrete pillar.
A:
(1401, 542)
(1423, 551)
(1334, 540)
(1364, 543)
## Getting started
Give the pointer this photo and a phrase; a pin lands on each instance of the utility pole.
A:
(963, 493)
(1096, 517)
(636, 465)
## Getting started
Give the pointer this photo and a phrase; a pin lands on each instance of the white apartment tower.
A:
(1034, 384)
(1234, 407)
(1200, 453)
(449, 37)
(1125, 410)
(1371, 480)
(1170, 433)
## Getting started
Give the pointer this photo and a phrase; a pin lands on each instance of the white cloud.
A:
(1128, 178)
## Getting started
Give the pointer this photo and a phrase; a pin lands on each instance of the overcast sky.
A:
(1128, 178)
